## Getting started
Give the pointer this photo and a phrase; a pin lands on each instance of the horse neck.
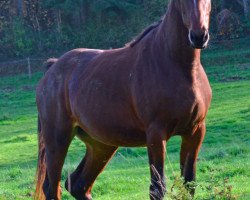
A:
(171, 39)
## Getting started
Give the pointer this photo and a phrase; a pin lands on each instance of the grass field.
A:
(224, 160)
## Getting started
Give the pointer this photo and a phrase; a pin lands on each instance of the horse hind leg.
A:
(96, 158)
(57, 141)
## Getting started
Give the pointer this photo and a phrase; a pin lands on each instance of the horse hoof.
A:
(78, 194)
(83, 197)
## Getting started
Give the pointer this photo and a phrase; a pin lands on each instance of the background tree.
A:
(53, 26)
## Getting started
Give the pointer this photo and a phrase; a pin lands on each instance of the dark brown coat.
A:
(139, 95)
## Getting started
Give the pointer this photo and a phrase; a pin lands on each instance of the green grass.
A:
(224, 154)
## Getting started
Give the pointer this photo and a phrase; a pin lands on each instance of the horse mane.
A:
(138, 38)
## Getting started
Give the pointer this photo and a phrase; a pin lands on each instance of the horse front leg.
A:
(190, 148)
(156, 145)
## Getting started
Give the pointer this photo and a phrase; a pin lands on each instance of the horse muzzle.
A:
(198, 39)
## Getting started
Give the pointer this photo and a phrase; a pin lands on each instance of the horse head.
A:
(196, 16)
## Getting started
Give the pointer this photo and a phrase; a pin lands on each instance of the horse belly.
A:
(119, 136)
(113, 129)
(108, 118)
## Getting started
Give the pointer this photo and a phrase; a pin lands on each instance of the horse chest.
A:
(181, 107)
(183, 103)
(189, 108)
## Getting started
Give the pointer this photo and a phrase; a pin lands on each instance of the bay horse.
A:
(139, 95)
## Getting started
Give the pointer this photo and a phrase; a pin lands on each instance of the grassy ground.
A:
(223, 161)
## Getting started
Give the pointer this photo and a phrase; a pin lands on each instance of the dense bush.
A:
(53, 26)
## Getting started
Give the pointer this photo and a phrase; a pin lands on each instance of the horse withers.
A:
(140, 95)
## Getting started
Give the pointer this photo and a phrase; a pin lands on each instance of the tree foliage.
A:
(48, 26)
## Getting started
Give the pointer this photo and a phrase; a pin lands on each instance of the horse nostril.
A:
(192, 36)
(198, 38)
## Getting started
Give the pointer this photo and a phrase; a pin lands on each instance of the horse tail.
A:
(41, 166)
(49, 63)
